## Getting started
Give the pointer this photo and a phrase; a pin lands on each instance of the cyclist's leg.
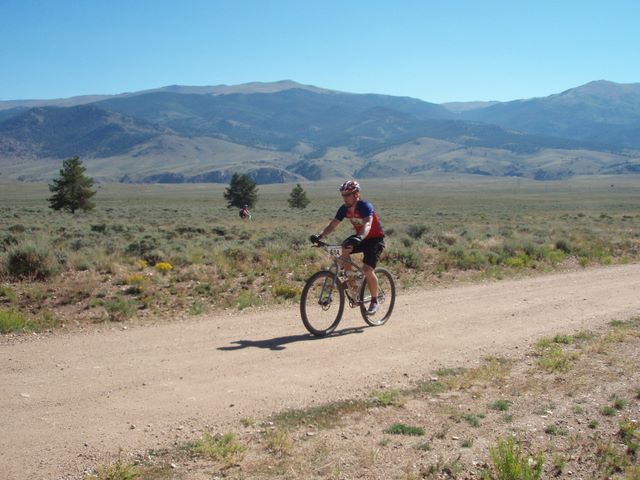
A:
(346, 266)
(372, 249)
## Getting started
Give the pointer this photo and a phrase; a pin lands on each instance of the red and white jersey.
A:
(357, 216)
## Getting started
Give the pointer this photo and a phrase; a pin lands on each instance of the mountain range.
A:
(285, 131)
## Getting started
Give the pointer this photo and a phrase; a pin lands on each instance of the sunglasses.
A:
(346, 194)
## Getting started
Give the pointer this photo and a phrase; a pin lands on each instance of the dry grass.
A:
(196, 257)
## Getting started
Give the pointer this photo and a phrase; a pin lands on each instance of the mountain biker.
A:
(368, 239)
(244, 212)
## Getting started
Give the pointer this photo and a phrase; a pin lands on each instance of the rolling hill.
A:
(284, 131)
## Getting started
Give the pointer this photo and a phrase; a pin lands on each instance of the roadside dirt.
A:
(73, 400)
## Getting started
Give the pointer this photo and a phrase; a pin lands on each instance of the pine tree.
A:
(298, 198)
(72, 190)
(242, 191)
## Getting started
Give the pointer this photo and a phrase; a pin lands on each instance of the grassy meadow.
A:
(168, 251)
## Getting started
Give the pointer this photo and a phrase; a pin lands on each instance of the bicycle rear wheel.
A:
(322, 303)
(386, 298)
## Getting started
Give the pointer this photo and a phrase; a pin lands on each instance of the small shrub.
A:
(203, 289)
(164, 267)
(410, 258)
(416, 231)
(247, 299)
(323, 416)
(630, 433)
(141, 264)
(141, 248)
(431, 388)
(31, 262)
(119, 309)
(609, 459)
(8, 295)
(197, 308)
(554, 430)
(473, 419)
(563, 246)
(554, 359)
(116, 471)
(618, 402)
(511, 463)
(559, 463)
(13, 321)
(17, 228)
(402, 429)
(137, 283)
(286, 291)
(222, 448)
(501, 405)
(279, 442)
(565, 339)
(388, 398)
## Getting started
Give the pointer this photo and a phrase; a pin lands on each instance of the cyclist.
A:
(368, 239)
(245, 214)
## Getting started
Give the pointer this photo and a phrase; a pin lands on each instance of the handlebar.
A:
(318, 242)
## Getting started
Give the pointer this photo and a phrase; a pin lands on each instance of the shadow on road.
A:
(279, 343)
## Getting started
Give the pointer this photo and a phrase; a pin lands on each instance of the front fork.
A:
(330, 282)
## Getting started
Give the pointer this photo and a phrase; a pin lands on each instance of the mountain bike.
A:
(326, 292)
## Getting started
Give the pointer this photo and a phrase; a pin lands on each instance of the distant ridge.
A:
(252, 87)
(288, 132)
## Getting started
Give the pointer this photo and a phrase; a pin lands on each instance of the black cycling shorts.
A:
(372, 249)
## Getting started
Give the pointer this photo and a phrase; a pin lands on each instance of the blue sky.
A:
(437, 51)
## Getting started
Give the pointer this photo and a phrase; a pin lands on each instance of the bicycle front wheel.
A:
(322, 303)
(386, 298)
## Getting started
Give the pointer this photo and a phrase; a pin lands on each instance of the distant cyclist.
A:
(245, 214)
(368, 239)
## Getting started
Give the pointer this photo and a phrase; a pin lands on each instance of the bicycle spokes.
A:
(322, 303)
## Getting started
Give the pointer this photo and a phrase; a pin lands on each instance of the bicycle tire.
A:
(386, 298)
(318, 316)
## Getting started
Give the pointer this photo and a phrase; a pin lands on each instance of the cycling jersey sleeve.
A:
(365, 209)
(342, 212)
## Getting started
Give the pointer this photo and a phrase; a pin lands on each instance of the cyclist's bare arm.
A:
(367, 227)
(329, 228)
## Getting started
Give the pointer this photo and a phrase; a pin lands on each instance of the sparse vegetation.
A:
(223, 448)
(511, 462)
(402, 429)
(447, 232)
(348, 436)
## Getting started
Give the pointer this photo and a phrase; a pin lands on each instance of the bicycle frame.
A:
(337, 268)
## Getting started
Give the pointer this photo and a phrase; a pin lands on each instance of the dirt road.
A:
(70, 401)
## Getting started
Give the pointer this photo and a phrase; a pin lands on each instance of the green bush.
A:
(286, 291)
(119, 308)
(416, 231)
(402, 429)
(13, 321)
(563, 246)
(511, 463)
(410, 258)
(223, 448)
(30, 261)
(7, 294)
